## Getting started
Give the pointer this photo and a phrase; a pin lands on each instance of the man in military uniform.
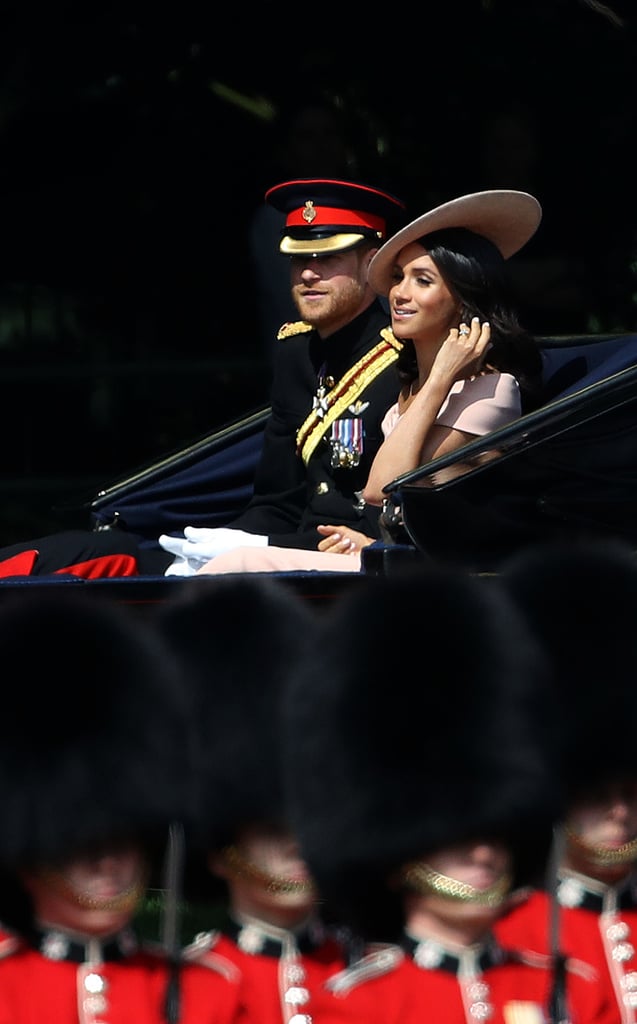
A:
(334, 379)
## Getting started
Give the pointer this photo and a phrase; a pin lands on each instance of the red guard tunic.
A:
(69, 982)
(491, 984)
(597, 923)
(289, 978)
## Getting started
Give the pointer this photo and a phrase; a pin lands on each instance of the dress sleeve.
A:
(481, 404)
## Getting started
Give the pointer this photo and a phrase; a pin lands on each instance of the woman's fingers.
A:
(342, 546)
(465, 348)
(337, 539)
(478, 334)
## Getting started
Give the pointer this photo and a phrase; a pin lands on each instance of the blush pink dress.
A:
(475, 406)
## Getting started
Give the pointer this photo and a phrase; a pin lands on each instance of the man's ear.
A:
(368, 259)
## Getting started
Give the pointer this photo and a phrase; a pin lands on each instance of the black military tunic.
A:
(300, 485)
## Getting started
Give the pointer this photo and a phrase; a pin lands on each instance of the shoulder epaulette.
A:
(545, 961)
(388, 335)
(290, 329)
(202, 943)
(201, 951)
(373, 965)
(582, 968)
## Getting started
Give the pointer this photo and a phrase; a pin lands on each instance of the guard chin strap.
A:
(126, 900)
(424, 879)
(601, 856)
(241, 867)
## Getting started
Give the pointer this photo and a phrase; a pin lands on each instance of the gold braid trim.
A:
(275, 884)
(424, 879)
(293, 327)
(349, 387)
(127, 899)
(599, 855)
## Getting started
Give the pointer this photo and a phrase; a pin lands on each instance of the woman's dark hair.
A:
(475, 272)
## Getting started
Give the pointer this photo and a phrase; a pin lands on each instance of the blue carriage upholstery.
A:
(573, 363)
(206, 484)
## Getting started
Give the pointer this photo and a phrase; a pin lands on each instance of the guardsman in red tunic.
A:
(92, 771)
(246, 861)
(583, 603)
(435, 795)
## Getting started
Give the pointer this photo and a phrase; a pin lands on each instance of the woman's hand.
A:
(342, 540)
(462, 353)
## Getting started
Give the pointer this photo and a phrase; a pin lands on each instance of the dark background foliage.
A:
(135, 148)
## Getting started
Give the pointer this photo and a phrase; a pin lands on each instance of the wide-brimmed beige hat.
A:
(506, 217)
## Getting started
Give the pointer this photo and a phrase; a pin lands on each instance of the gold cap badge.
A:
(309, 213)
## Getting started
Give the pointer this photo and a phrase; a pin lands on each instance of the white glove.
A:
(200, 544)
(205, 543)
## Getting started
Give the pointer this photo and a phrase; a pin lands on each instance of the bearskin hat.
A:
(581, 600)
(237, 638)
(93, 730)
(419, 722)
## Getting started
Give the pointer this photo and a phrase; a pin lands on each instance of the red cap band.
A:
(317, 216)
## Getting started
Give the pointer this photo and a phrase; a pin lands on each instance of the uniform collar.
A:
(257, 937)
(575, 890)
(432, 955)
(56, 944)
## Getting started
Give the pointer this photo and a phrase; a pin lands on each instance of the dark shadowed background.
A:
(135, 148)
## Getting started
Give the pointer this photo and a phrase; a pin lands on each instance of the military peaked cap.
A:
(325, 215)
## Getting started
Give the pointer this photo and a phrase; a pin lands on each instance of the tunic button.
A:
(95, 983)
(622, 952)
(618, 932)
(294, 974)
(301, 1018)
(94, 1005)
(322, 488)
(478, 991)
(297, 995)
(481, 1011)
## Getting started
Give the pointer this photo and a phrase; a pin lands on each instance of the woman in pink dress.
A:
(467, 366)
